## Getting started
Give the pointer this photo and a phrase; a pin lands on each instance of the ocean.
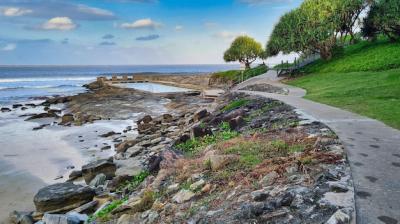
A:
(22, 83)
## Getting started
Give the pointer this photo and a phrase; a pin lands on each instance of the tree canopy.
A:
(383, 18)
(245, 50)
(315, 27)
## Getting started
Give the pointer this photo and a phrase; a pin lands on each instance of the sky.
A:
(130, 32)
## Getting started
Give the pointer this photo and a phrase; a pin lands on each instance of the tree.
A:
(314, 27)
(383, 18)
(245, 50)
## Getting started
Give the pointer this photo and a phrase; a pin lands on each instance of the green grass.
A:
(237, 75)
(364, 56)
(364, 79)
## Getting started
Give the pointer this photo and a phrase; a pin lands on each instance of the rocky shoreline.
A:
(240, 159)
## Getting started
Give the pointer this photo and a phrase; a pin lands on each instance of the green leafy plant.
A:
(134, 183)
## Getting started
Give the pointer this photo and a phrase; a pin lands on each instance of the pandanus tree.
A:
(245, 50)
(314, 27)
(383, 18)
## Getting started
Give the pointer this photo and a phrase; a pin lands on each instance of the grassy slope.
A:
(236, 75)
(365, 79)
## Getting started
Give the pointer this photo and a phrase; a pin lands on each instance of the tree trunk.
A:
(326, 53)
(247, 64)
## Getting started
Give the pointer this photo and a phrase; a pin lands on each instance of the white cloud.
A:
(178, 28)
(14, 11)
(141, 24)
(227, 35)
(9, 47)
(59, 23)
(94, 11)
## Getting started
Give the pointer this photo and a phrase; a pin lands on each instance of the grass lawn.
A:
(361, 80)
(236, 75)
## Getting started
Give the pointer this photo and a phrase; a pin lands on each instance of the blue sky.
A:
(112, 32)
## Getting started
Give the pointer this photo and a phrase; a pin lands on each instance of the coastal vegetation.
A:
(383, 18)
(245, 50)
(236, 76)
(316, 27)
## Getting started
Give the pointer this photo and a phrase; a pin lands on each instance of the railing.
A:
(289, 68)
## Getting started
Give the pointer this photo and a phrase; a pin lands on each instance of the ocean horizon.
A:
(20, 83)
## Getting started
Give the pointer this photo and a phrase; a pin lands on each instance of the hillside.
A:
(363, 78)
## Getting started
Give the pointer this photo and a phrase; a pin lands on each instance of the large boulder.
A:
(199, 131)
(200, 115)
(129, 167)
(67, 118)
(62, 197)
(105, 166)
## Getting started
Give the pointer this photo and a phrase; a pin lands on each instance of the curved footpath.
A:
(373, 151)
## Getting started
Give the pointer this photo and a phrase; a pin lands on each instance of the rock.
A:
(154, 163)
(15, 106)
(60, 219)
(218, 162)
(75, 174)
(62, 197)
(338, 187)
(77, 216)
(54, 111)
(145, 120)
(129, 167)
(183, 196)
(287, 199)
(339, 217)
(108, 134)
(5, 109)
(30, 105)
(215, 212)
(67, 118)
(270, 178)
(117, 181)
(259, 195)
(206, 188)
(21, 217)
(236, 122)
(200, 115)
(169, 157)
(134, 151)
(197, 185)
(250, 210)
(86, 208)
(125, 219)
(122, 147)
(40, 127)
(172, 188)
(198, 131)
(107, 147)
(167, 118)
(152, 217)
(105, 166)
(41, 115)
(99, 180)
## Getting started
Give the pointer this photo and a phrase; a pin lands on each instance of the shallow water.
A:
(32, 159)
(153, 87)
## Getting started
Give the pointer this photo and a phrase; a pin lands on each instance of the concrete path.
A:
(373, 151)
